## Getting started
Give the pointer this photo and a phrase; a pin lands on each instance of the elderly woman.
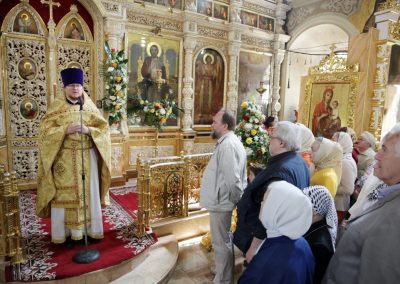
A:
(349, 175)
(322, 234)
(306, 140)
(284, 257)
(326, 156)
(365, 145)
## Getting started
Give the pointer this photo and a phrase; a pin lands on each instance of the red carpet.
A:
(47, 261)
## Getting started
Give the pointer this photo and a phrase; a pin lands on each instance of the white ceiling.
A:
(319, 38)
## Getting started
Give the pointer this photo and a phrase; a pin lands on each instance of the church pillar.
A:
(115, 33)
(189, 43)
(279, 54)
(232, 93)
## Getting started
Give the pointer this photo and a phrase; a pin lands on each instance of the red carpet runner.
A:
(47, 261)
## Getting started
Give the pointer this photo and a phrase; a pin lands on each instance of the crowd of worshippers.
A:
(321, 210)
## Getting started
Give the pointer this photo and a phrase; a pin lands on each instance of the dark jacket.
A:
(280, 260)
(320, 241)
(288, 166)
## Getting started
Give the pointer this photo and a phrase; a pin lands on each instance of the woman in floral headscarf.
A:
(349, 175)
(326, 170)
(322, 234)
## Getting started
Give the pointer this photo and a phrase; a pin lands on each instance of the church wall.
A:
(303, 16)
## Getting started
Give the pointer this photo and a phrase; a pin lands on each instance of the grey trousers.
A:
(220, 225)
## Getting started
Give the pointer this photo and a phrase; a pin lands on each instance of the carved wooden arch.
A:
(73, 15)
(10, 18)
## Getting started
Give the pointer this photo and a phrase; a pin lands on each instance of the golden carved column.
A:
(51, 41)
(387, 23)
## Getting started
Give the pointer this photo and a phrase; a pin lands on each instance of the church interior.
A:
(184, 60)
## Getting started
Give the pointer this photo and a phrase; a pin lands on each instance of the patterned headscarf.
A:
(323, 205)
(285, 211)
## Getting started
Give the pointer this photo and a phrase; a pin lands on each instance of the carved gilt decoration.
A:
(26, 14)
(212, 33)
(27, 89)
(389, 5)
(394, 30)
(164, 23)
(113, 8)
(254, 41)
(258, 8)
(333, 64)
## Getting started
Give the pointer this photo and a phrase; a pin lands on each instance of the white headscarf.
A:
(306, 138)
(369, 138)
(323, 205)
(329, 155)
(286, 211)
(344, 139)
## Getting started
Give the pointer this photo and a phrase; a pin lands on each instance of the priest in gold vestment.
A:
(60, 187)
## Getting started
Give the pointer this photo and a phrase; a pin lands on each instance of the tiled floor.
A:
(194, 263)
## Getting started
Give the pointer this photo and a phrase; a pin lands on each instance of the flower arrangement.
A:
(253, 136)
(116, 78)
(155, 113)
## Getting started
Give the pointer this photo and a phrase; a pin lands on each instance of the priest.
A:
(60, 178)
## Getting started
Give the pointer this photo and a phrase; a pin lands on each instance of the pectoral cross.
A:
(51, 4)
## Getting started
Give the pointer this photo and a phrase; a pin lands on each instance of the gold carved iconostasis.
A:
(32, 56)
(203, 62)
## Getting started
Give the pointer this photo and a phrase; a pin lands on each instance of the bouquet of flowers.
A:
(116, 78)
(155, 113)
(254, 138)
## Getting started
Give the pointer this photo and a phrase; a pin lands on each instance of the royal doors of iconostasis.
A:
(31, 61)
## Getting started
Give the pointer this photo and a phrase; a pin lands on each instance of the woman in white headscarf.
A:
(327, 164)
(284, 257)
(349, 175)
(322, 234)
(306, 140)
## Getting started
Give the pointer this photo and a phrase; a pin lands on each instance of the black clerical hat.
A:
(72, 76)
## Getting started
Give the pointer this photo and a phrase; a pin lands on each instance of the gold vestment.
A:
(60, 162)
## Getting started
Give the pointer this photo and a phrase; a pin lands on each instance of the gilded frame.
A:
(332, 72)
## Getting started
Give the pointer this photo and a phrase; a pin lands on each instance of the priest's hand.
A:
(76, 128)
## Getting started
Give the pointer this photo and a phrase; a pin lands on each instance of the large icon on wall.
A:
(28, 108)
(27, 69)
(209, 85)
(329, 108)
(153, 68)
